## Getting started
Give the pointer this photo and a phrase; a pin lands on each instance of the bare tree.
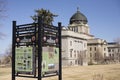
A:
(82, 57)
(8, 56)
(2, 8)
(2, 14)
(2, 35)
(98, 57)
(117, 40)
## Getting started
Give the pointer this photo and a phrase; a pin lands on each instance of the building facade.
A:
(97, 50)
(74, 49)
(77, 42)
(114, 51)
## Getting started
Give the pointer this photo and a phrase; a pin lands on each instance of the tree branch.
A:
(2, 35)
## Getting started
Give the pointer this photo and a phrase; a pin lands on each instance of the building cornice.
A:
(89, 44)
(65, 36)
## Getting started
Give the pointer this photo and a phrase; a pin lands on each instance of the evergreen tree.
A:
(46, 16)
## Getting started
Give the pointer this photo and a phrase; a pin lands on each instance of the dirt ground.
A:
(93, 72)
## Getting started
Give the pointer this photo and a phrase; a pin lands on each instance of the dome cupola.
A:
(78, 18)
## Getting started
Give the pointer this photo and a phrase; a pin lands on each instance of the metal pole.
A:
(35, 51)
(13, 49)
(39, 47)
(60, 55)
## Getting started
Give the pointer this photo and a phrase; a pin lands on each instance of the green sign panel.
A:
(50, 60)
(24, 60)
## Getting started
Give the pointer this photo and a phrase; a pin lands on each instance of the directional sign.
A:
(24, 60)
(50, 60)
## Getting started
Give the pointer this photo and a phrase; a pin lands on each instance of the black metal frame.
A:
(39, 48)
(39, 28)
(13, 50)
(60, 50)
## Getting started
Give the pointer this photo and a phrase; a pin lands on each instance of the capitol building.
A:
(79, 47)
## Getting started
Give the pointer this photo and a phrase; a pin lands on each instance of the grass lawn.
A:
(106, 72)
(5, 71)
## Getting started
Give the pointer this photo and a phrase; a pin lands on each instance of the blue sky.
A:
(103, 16)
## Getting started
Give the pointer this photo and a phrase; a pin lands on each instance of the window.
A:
(117, 54)
(74, 51)
(113, 50)
(95, 48)
(95, 55)
(110, 55)
(84, 45)
(70, 62)
(104, 49)
(80, 52)
(72, 29)
(77, 52)
(84, 55)
(109, 50)
(90, 54)
(75, 40)
(104, 54)
(90, 49)
(75, 55)
(71, 52)
(76, 29)
(70, 43)
(75, 61)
